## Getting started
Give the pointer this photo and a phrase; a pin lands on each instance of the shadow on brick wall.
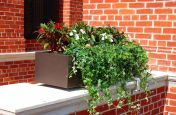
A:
(70, 11)
(76, 11)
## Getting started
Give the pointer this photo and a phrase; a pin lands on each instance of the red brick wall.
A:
(12, 37)
(11, 26)
(152, 23)
(12, 45)
(71, 11)
(162, 101)
(32, 45)
(149, 22)
(16, 72)
(12, 23)
(170, 107)
(12, 40)
(155, 105)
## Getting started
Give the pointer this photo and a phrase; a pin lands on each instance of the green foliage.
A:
(105, 57)
(109, 60)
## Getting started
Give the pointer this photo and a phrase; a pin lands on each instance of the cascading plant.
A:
(106, 57)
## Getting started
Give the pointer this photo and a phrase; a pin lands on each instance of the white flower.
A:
(76, 36)
(109, 36)
(71, 33)
(104, 34)
(82, 31)
(103, 38)
(74, 31)
(111, 40)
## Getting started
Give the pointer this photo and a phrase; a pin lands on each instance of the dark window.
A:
(38, 11)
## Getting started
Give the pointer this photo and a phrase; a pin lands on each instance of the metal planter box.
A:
(54, 68)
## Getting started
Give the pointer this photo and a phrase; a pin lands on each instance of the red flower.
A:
(47, 36)
(40, 31)
(58, 26)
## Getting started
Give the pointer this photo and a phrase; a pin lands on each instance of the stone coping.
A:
(4, 57)
(38, 99)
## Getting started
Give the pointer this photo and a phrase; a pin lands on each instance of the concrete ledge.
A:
(34, 99)
(4, 57)
(172, 77)
(37, 99)
(171, 80)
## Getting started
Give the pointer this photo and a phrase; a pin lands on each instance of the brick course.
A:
(16, 72)
(154, 106)
(139, 18)
(170, 108)
(161, 101)
(11, 18)
(32, 45)
(12, 45)
(149, 22)
(11, 26)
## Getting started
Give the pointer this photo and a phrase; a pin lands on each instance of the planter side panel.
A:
(53, 69)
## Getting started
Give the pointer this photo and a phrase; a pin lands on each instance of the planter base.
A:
(54, 68)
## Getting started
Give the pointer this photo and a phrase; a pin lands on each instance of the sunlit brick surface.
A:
(16, 72)
(152, 23)
(170, 107)
(154, 106)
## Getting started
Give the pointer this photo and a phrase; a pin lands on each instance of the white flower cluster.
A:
(105, 36)
(74, 33)
(82, 31)
(76, 36)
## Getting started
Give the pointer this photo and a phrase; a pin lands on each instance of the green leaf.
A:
(46, 45)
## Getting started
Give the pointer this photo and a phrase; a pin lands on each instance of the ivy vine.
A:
(106, 57)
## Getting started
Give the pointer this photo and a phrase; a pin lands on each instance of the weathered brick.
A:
(12, 74)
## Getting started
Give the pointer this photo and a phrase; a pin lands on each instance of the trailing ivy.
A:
(105, 63)
(105, 57)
